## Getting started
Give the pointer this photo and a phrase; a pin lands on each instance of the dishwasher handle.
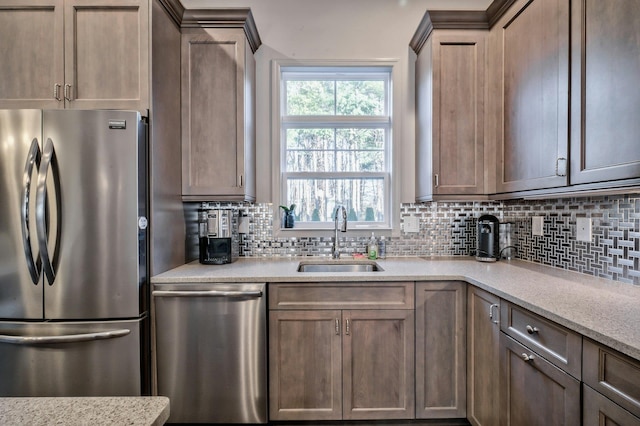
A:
(207, 293)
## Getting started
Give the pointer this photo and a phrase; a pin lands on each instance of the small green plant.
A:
(288, 210)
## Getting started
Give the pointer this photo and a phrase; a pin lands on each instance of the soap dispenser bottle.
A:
(372, 248)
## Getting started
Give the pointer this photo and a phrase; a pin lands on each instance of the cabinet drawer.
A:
(559, 345)
(613, 374)
(342, 295)
(598, 410)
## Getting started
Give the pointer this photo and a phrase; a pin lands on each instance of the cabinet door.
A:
(534, 392)
(378, 367)
(31, 42)
(458, 114)
(450, 115)
(483, 337)
(530, 55)
(217, 87)
(441, 350)
(107, 54)
(598, 410)
(305, 365)
(605, 92)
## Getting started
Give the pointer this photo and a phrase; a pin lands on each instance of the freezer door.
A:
(20, 283)
(93, 269)
(70, 359)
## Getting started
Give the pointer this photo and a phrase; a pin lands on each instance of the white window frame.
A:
(278, 150)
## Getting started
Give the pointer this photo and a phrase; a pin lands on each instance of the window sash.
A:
(383, 122)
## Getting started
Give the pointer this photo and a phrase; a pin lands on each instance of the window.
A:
(335, 144)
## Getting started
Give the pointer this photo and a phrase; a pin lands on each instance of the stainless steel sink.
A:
(337, 266)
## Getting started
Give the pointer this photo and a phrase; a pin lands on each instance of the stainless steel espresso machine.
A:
(218, 234)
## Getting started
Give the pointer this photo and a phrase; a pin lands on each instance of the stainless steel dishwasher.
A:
(210, 351)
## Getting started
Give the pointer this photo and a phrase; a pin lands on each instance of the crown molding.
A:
(458, 20)
(224, 18)
(174, 8)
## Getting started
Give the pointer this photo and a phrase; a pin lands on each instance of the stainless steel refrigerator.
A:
(73, 243)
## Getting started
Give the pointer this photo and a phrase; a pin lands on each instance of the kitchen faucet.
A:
(335, 249)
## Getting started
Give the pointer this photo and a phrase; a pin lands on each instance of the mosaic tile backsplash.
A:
(449, 229)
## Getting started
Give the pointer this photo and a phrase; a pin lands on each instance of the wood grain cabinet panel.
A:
(218, 129)
(305, 365)
(612, 374)
(483, 357)
(334, 364)
(450, 75)
(78, 54)
(605, 90)
(441, 349)
(534, 392)
(597, 410)
(556, 343)
(529, 61)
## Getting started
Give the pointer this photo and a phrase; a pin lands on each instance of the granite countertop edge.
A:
(71, 411)
(600, 309)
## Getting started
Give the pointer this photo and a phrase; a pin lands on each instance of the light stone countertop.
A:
(603, 310)
(70, 411)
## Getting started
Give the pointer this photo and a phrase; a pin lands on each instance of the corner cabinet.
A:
(80, 54)
(529, 103)
(450, 75)
(218, 106)
(341, 351)
(441, 383)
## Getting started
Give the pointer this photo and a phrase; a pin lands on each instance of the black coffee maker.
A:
(487, 239)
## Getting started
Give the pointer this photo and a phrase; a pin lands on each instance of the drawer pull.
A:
(532, 330)
(494, 317)
(527, 358)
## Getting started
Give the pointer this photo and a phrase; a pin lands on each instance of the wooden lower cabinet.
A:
(441, 349)
(341, 364)
(483, 357)
(599, 410)
(534, 392)
(378, 364)
(305, 365)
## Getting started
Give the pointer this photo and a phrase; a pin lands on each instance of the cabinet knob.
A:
(532, 330)
(527, 358)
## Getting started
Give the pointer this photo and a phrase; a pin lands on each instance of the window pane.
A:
(360, 138)
(360, 161)
(310, 161)
(360, 97)
(310, 97)
(316, 199)
(310, 138)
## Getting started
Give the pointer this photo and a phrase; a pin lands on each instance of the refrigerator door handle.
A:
(33, 159)
(210, 293)
(48, 160)
(69, 338)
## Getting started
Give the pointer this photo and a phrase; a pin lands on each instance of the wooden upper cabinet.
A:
(605, 91)
(529, 65)
(32, 46)
(218, 109)
(81, 54)
(450, 75)
(107, 54)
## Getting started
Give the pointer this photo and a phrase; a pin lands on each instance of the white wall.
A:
(336, 29)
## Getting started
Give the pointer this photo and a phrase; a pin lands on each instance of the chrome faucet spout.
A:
(335, 249)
